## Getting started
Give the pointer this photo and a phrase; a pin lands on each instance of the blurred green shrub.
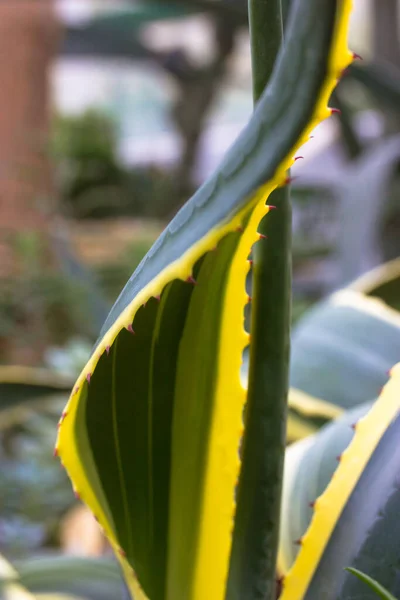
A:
(92, 181)
(39, 304)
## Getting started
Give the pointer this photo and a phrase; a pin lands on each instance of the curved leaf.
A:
(90, 579)
(19, 385)
(382, 282)
(343, 348)
(307, 414)
(355, 521)
(150, 435)
(10, 589)
(374, 585)
(309, 466)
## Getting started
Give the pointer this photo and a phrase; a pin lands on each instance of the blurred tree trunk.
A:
(385, 31)
(28, 42)
(386, 47)
(29, 34)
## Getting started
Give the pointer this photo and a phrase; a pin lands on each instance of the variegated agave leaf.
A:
(151, 433)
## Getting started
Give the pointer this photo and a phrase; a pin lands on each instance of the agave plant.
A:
(180, 464)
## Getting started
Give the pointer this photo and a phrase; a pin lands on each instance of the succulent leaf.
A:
(150, 436)
(355, 520)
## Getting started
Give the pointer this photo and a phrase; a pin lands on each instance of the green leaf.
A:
(20, 385)
(306, 414)
(25, 390)
(382, 282)
(343, 348)
(90, 579)
(151, 434)
(252, 569)
(309, 467)
(374, 585)
(10, 589)
(355, 521)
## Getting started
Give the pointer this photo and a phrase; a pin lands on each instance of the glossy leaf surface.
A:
(151, 434)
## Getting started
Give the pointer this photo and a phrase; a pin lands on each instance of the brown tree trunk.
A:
(29, 35)
(386, 46)
(28, 42)
(385, 20)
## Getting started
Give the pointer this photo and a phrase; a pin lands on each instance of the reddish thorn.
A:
(311, 504)
(122, 552)
(335, 111)
(271, 206)
(298, 542)
(88, 377)
(64, 414)
(59, 425)
(250, 261)
(158, 297)
(108, 348)
(279, 585)
(388, 372)
(356, 56)
(249, 299)
(289, 180)
(76, 390)
(312, 137)
(339, 457)
(239, 229)
(261, 236)
(353, 426)
(130, 329)
(298, 158)
(55, 452)
(77, 495)
(344, 73)
(191, 280)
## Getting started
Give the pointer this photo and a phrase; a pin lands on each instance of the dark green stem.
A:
(255, 542)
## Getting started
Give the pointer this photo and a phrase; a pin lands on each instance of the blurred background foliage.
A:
(115, 113)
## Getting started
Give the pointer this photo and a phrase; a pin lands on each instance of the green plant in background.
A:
(91, 179)
(58, 306)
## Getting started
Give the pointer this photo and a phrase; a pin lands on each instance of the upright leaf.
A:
(151, 434)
